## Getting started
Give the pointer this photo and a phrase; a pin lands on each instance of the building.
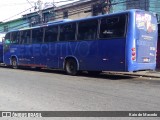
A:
(12, 25)
(148, 5)
(77, 10)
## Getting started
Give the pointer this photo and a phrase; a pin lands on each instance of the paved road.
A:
(54, 91)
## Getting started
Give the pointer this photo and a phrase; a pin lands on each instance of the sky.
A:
(13, 9)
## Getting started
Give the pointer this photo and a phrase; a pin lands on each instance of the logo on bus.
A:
(144, 21)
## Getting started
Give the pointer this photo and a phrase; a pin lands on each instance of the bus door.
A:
(146, 37)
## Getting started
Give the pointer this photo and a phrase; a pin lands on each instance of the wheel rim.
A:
(71, 67)
(14, 63)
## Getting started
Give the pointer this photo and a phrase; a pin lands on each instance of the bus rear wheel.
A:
(71, 67)
(14, 63)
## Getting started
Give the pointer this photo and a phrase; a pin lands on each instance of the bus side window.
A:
(112, 27)
(51, 34)
(67, 32)
(37, 35)
(87, 30)
(25, 36)
(7, 38)
(15, 37)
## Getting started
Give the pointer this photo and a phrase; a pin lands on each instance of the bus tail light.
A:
(134, 54)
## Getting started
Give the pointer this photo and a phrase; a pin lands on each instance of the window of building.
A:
(34, 20)
(51, 34)
(96, 9)
(87, 30)
(6, 28)
(65, 14)
(67, 32)
(113, 27)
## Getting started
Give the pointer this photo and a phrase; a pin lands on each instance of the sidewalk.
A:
(154, 74)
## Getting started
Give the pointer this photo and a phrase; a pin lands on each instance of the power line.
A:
(16, 14)
(11, 4)
(32, 7)
(66, 1)
(30, 3)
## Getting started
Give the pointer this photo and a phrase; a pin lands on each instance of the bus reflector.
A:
(133, 49)
(133, 58)
(133, 54)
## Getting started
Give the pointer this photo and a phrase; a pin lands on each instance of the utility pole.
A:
(39, 7)
(53, 10)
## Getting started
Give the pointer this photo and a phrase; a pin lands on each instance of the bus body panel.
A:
(90, 55)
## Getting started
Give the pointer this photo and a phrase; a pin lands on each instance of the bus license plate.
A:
(146, 60)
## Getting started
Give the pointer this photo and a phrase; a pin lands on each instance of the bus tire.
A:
(71, 67)
(14, 63)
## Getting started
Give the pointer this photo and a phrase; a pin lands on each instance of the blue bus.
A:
(158, 49)
(124, 41)
(2, 35)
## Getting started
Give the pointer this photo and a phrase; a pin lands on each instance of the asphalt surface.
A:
(47, 90)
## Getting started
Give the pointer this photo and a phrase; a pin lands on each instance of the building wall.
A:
(118, 5)
(154, 6)
(75, 11)
(12, 25)
(148, 5)
(138, 4)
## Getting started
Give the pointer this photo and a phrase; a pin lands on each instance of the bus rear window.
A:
(113, 27)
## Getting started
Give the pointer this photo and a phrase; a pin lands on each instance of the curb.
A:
(154, 74)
